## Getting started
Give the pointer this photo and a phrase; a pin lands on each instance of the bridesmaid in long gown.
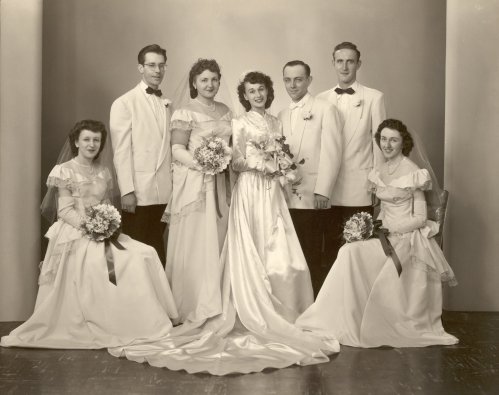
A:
(198, 210)
(265, 284)
(363, 302)
(77, 306)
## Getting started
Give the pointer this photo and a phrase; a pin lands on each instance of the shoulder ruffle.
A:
(182, 114)
(61, 176)
(418, 179)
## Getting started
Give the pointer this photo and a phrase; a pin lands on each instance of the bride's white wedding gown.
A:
(265, 283)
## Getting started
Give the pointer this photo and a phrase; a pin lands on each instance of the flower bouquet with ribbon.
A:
(212, 157)
(275, 149)
(102, 224)
(361, 226)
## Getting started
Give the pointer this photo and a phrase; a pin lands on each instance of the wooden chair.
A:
(440, 218)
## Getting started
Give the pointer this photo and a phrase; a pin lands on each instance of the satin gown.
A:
(363, 302)
(265, 283)
(196, 230)
(77, 306)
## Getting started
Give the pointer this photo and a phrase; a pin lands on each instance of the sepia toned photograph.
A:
(237, 197)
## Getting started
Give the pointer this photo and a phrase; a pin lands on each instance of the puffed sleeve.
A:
(181, 127)
(60, 177)
(63, 178)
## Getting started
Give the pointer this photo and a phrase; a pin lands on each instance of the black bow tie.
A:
(348, 91)
(152, 91)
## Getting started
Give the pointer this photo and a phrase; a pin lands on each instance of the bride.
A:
(77, 305)
(363, 301)
(265, 283)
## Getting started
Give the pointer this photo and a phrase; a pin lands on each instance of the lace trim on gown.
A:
(63, 236)
(425, 254)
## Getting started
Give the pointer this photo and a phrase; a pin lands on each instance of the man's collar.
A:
(301, 102)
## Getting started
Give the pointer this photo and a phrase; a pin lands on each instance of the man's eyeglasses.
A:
(154, 66)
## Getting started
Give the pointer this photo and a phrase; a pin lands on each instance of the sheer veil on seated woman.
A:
(363, 301)
(81, 302)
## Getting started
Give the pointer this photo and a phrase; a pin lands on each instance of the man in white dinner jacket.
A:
(361, 110)
(312, 130)
(139, 123)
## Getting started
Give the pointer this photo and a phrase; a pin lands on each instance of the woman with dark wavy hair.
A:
(373, 297)
(92, 294)
(265, 283)
(197, 213)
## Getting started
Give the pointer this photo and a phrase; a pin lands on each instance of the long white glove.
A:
(67, 212)
(180, 154)
(415, 221)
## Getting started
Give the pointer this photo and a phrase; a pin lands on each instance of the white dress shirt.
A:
(297, 110)
(157, 106)
(345, 102)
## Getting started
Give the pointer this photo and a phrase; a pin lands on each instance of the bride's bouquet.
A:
(359, 227)
(275, 149)
(213, 155)
(101, 222)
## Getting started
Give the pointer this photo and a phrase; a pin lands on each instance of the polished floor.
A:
(471, 367)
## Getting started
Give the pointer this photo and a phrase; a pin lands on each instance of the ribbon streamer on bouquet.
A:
(217, 204)
(381, 234)
(225, 173)
(109, 256)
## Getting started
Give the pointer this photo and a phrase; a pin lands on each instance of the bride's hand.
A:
(270, 167)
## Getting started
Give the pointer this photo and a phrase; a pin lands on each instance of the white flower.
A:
(166, 102)
(356, 103)
(307, 115)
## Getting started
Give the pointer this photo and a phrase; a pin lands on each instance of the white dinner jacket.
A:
(318, 141)
(360, 152)
(142, 153)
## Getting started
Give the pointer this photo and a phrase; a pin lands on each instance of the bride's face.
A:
(256, 94)
(207, 84)
(391, 143)
(88, 144)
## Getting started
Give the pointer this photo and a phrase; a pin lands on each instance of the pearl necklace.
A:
(210, 107)
(391, 170)
(89, 169)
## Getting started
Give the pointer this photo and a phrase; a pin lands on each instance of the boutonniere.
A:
(307, 115)
(167, 102)
(356, 103)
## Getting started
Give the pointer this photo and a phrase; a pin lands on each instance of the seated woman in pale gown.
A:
(198, 210)
(265, 284)
(363, 301)
(77, 305)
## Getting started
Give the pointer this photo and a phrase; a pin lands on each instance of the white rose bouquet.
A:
(275, 149)
(212, 156)
(358, 227)
(101, 222)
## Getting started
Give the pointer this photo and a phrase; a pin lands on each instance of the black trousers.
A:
(337, 217)
(145, 226)
(310, 226)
